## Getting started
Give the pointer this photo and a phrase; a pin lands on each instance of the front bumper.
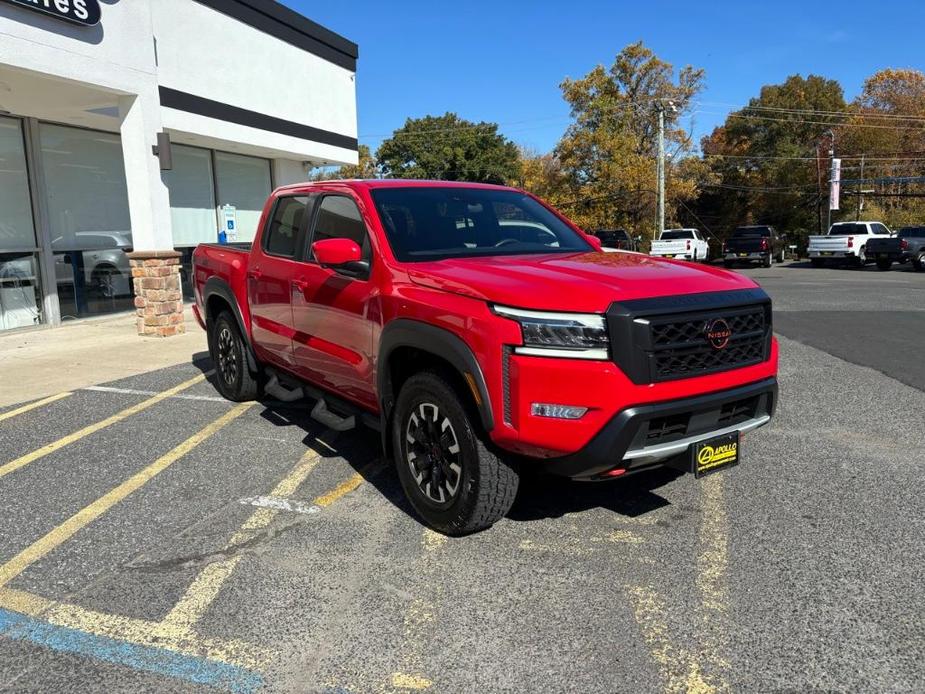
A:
(640, 437)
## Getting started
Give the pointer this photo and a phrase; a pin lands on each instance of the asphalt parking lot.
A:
(159, 538)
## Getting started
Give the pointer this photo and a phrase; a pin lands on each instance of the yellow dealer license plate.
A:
(715, 454)
(669, 255)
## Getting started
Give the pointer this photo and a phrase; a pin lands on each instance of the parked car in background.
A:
(616, 239)
(908, 244)
(479, 352)
(751, 244)
(846, 242)
(688, 244)
(102, 263)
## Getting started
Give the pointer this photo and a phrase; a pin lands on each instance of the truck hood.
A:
(572, 282)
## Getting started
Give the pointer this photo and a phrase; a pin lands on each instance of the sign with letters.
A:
(84, 12)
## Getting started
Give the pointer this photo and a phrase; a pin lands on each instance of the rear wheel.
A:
(767, 261)
(450, 477)
(884, 264)
(727, 264)
(860, 260)
(229, 354)
(816, 262)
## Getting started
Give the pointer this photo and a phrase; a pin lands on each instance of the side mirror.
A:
(336, 252)
(596, 242)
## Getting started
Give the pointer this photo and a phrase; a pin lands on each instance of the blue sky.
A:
(502, 61)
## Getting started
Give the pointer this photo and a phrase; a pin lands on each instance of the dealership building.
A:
(132, 130)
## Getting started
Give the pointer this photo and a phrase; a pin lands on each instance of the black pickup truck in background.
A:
(754, 243)
(618, 239)
(908, 244)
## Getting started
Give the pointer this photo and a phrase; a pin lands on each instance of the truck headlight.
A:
(571, 335)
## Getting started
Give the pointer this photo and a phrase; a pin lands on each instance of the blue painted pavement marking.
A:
(160, 661)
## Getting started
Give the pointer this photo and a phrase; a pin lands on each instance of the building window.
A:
(244, 183)
(192, 196)
(20, 294)
(88, 219)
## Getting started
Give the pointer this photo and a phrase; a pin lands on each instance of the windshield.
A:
(847, 229)
(751, 231)
(911, 232)
(433, 223)
(676, 234)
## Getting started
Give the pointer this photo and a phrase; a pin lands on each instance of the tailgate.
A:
(748, 244)
(828, 243)
(883, 246)
(669, 247)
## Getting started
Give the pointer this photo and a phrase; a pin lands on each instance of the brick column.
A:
(158, 298)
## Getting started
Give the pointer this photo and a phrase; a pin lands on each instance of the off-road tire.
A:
(486, 484)
(884, 264)
(233, 378)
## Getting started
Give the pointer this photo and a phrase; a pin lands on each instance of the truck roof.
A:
(371, 183)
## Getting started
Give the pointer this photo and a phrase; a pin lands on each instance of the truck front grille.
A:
(682, 348)
(671, 338)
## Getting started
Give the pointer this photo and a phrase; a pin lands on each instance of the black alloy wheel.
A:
(433, 454)
(233, 378)
(454, 481)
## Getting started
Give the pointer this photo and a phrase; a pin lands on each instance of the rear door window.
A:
(286, 227)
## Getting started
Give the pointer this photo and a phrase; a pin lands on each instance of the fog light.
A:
(542, 409)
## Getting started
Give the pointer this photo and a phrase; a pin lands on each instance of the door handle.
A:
(301, 285)
(254, 274)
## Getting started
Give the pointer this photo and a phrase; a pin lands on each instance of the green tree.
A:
(764, 157)
(608, 153)
(449, 148)
(887, 126)
(365, 168)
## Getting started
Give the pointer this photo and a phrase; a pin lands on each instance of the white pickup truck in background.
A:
(681, 243)
(846, 242)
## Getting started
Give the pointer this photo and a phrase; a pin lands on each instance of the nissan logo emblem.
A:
(718, 333)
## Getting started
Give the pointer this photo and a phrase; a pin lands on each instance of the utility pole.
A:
(660, 171)
(831, 134)
(857, 216)
(660, 164)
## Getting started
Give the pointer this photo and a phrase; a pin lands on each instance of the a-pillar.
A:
(155, 264)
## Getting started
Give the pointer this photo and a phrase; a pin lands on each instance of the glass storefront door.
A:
(88, 219)
(20, 288)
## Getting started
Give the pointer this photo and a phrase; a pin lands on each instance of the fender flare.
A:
(216, 286)
(405, 332)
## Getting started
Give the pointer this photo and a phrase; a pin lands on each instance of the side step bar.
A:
(281, 392)
(320, 412)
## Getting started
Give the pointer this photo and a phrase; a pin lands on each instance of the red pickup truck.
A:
(483, 334)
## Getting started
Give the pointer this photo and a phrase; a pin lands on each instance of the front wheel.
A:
(450, 477)
(232, 376)
(919, 261)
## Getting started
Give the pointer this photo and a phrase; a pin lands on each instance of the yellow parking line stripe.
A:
(33, 405)
(93, 428)
(340, 490)
(141, 632)
(205, 588)
(678, 666)
(82, 518)
(420, 618)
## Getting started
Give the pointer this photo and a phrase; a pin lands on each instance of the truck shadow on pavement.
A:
(539, 497)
